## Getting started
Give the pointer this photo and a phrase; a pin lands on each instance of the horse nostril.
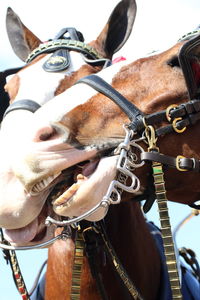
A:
(61, 131)
(44, 134)
(65, 134)
(52, 132)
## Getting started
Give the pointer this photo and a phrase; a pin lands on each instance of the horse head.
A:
(52, 67)
(65, 153)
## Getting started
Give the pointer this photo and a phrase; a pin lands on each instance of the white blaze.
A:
(38, 85)
(73, 97)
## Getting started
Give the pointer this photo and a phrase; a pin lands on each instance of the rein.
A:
(92, 238)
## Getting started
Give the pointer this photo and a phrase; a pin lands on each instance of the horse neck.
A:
(134, 246)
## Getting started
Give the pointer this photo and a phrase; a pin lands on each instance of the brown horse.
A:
(54, 73)
(74, 141)
(24, 42)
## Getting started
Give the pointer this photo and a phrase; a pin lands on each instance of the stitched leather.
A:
(106, 89)
(26, 104)
(189, 164)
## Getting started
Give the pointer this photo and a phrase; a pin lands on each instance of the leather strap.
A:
(179, 162)
(184, 114)
(106, 89)
(94, 249)
(187, 113)
(27, 104)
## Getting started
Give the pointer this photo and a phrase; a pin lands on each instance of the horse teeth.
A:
(81, 177)
(40, 186)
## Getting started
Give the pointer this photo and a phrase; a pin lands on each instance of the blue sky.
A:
(158, 25)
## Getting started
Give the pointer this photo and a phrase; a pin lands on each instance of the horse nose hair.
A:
(51, 132)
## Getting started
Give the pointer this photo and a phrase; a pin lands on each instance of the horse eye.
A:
(173, 62)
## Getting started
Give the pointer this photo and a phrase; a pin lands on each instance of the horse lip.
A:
(73, 180)
(103, 149)
(39, 230)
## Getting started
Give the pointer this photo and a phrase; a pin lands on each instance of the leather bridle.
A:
(178, 117)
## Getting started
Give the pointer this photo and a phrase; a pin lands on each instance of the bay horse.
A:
(82, 59)
(74, 141)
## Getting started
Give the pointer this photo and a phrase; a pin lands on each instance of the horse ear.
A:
(22, 40)
(118, 28)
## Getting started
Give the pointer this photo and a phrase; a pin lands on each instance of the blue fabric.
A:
(38, 293)
(190, 285)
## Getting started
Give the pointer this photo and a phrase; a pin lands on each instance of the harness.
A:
(141, 128)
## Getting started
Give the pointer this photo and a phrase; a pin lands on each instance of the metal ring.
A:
(144, 122)
(169, 108)
(174, 123)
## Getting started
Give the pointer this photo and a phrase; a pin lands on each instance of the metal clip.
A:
(151, 138)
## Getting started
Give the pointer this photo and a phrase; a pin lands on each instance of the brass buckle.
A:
(174, 122)
(175, 127)
(178, 163)
(169, 108)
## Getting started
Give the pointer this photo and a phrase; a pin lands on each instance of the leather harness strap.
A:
(93, 249)
(27, 104)
(11, 257)
(95, 235)
(181, 163)
(180, 116)
(100, 85)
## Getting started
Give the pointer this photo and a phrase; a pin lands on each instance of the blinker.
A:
(58, 61)
(189, 58)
